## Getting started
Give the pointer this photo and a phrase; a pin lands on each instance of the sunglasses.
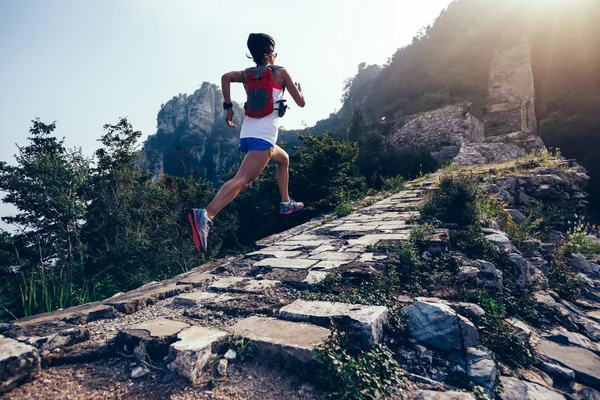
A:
(274, 55)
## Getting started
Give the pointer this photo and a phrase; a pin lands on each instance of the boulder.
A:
(19, 363)
(585, 363)
(439, 326)
(521, 266)
(481, 368)
(580, 263)
(501, 240)
(489, 276)
(516, 389)
(556, 371)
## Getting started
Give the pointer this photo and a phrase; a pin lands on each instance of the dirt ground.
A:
(110, 379)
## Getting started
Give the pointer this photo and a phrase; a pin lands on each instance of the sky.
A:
(87, 63)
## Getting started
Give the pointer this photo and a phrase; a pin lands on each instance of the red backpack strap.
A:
(274, 69)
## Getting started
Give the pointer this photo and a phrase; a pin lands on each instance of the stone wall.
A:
(442, 131)
(561, 186)
(511, 92)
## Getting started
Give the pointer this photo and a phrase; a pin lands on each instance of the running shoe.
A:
(201, 225)
(290, 207)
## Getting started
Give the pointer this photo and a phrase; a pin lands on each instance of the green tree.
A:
(46, 186)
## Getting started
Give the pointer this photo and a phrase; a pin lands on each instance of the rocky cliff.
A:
(191, 137)
(467, 134)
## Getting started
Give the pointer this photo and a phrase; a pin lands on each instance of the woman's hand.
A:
(229, 118)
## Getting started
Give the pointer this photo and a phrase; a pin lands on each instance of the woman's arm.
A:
(294, 88)
(226, 79)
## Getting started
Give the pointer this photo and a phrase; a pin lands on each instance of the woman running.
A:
(265, 85)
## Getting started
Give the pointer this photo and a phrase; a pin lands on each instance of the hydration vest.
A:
(259, 91)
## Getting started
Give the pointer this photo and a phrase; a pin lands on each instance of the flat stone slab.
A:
(197, 298)
(78, 314)
(137, 299)
(326, 265)
(374, 239)
(356, 227)
(306, 243)
(243, 285)
(19, 363)
(293, 263)
(193, 349)
(371, 257)
(159, 327)
(276, 338)
(48, 335)
(276, 253)
(322, 248)
(314, 277)
(197, 279)
(585, 363)
(367, 320)
(149, 339)
(335, 256)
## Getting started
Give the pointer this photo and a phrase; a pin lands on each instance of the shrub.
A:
(580, 240)
(393, 184)
(343, 209)
(455, 201)
(346, 371)
(498, 335)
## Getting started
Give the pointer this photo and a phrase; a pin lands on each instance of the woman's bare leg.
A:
(252, 166)
(281, 158)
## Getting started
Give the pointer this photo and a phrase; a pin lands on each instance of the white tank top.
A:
(265, 128)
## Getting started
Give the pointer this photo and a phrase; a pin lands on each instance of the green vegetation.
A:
(347, 371)
(244, 348)
(455, 201)
(580, 240)
(343, 209)
(499, 336)
(88, 228)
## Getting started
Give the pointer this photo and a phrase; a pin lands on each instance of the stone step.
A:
(291, 263)
(135, 300)
(194, 299)
(236, 284)
(192, 351)
(196, 279)
(367, 321)
(149, 338)
(19, 363)
(278, 339)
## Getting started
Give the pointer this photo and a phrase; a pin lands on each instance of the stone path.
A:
(266, 282)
